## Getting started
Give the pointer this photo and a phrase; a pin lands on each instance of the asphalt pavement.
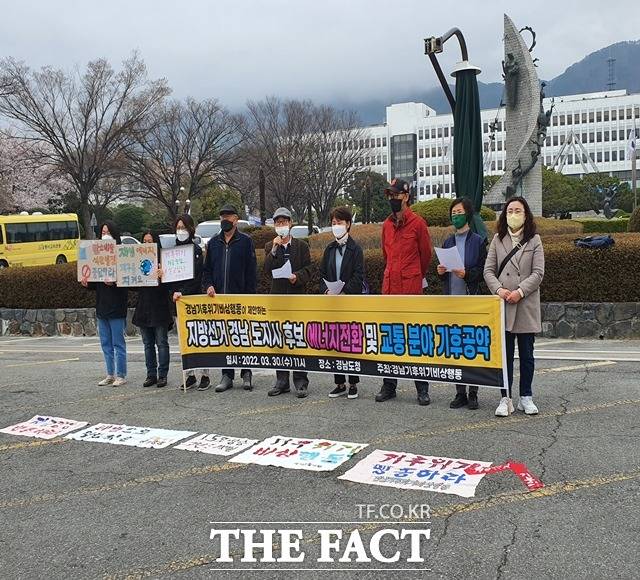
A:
(71, 509)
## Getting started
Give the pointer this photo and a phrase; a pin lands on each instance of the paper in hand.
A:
(334, 287)
(284, 272)
(449, 258)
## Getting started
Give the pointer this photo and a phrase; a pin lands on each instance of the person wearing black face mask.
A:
(406, 246)
(230, 268)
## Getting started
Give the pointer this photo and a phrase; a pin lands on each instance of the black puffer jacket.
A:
(154, 307)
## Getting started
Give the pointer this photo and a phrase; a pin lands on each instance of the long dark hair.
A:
(114, 230)
(529, 223)
(154, 236)
(188, 222)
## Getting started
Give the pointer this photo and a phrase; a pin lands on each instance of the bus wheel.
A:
(61, 260)
(3, 264)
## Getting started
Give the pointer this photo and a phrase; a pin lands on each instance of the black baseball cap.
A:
(228, 209)
(397, 186)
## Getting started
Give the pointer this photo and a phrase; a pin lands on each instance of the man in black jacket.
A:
(230, 268)
(281, 250)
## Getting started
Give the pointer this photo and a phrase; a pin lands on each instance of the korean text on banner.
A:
(454, 339)
(97, 261)
(177, 263)
(137, 265)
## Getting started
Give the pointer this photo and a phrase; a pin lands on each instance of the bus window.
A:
(72, 232)
(58, 230)
(1, 237)
(38, 232)
(16, 233)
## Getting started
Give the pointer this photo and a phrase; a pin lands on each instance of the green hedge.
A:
(594, 226)
(436, 211)
(572, 275)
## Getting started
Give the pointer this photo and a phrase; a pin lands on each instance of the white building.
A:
(416, 143)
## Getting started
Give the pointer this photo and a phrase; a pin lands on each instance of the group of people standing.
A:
(512, 267)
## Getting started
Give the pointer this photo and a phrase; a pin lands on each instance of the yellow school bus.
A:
(38, 239)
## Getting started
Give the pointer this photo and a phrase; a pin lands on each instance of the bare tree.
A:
(280, 134)
(83, 120)
(183, 149)
(336, 151)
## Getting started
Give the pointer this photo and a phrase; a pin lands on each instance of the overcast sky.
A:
(322, 49)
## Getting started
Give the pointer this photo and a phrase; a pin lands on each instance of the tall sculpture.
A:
(526, 124)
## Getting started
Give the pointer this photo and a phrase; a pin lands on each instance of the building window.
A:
(620, 114)
(433, 133)
(485, 128)
(555, 139)
(562, 119)
(599, 117)
(584, 117)
(384, 141)
(384, 158)
(421, 153)
(592, 137)
(621, 135)
(606, 116)
(569, 119)
(599, 136)
(421, 134)
(629, 113)
(606, 135)
(614, 156)
(606, 157)
(614, 114)
(591, 117)
(576, 118)
(599, 156)
(446, 131)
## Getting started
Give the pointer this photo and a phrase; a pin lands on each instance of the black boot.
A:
(385, 394)
(473, 398)
(460, 398)
(423, 395)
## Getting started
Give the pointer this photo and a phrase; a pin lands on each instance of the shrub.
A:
(261, 235)
(593, 226)
(487, 214)
(634, 221)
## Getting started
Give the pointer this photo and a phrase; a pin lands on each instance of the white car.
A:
(129, 240)
(303, 231)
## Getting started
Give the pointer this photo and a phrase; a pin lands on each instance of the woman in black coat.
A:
(185, 231)
(153, 315)
(343, 260)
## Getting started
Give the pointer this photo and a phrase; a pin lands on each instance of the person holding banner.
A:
(185, 229)
(343, 261)
(514, 271)
(281, 250)
(154, 318)
(230, 268)
(406, 246)
(111, 314)
(473, 253)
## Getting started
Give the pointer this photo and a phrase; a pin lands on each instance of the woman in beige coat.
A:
(516, 278)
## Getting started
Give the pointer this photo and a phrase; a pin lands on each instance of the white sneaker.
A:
(527, 405)
(505, 408)
(108, 380)
(119, 382)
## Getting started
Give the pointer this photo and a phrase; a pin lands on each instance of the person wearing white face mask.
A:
(343, 260)
(111, 315)
(285, 248)
(514, 271)
(185, 229)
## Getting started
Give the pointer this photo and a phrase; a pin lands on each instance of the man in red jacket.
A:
(406, 246)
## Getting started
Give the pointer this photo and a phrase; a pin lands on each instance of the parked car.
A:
(169, 240)
(303, 231)
(129, 240)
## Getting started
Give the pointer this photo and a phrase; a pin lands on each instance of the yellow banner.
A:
(456, 339)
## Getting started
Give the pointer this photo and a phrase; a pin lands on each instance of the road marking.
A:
(119, 485)
(11, 341)
(42, 362)
(31, 444)
(498, 422)
(604, 363)
(498, 500)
